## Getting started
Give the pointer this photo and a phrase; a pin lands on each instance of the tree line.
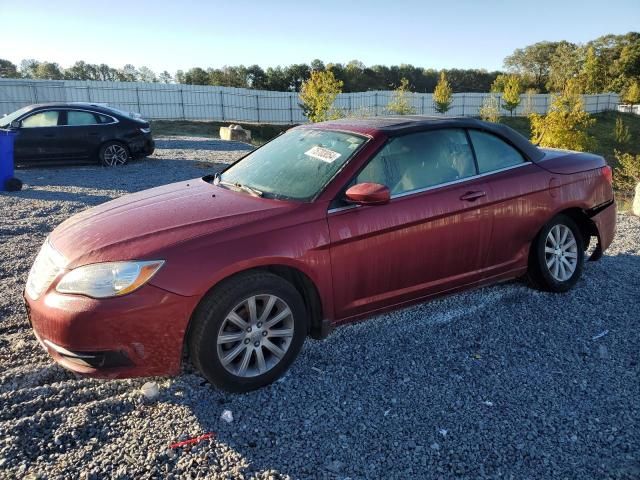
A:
(608, 63)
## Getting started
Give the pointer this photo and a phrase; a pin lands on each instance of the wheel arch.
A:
(318, 325)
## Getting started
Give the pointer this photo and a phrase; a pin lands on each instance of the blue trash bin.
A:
(7, 138)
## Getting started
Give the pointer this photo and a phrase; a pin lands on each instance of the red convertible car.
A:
(326, 224)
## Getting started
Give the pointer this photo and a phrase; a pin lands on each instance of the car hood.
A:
(136, 226)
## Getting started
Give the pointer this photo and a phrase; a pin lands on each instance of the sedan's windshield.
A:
(7, 119)
(296, 165)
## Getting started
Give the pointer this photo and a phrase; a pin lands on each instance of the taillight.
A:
(607, 173)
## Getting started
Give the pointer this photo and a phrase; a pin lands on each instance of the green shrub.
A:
(399, 104)
(621, 133)
(489, 111)
(318, 94)
(565, 124)
(627, 173)
(442, 95)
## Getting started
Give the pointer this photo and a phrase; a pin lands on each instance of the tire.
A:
(226, 353)
(556, 268)
(113, 154)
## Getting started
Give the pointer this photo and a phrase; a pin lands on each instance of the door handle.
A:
(49, 135)
(473, 196)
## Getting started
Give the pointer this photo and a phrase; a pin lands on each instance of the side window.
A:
(75, 118)
(104, 119)
(421, 160)
(41, 119)
(492, 152)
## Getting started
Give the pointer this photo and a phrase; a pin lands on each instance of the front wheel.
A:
(248, 331)
(557, 255)
(112, 154)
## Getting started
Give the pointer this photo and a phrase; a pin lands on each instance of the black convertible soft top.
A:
(401, 125)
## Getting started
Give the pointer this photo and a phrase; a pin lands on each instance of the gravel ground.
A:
(503, 382)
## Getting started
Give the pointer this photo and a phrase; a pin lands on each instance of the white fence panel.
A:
(200, 102)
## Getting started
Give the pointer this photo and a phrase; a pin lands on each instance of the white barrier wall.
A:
(198, 102)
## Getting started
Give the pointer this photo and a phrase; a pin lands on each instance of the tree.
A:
(627, 173)
(498, 84)
(317, 95)
(632, 94)
(489, 111)
(442, 94)
(129, 73)
(400, 104)
(147, 75)
(565, 66)
(566, 123)
(196, 76)
(8, 69)
(511, 95)
(533, 61)
(48, 71)
(165, 77)
(28, 68)
(592, 76)
(78, 71)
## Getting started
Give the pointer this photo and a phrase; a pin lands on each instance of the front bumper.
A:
(140, 334)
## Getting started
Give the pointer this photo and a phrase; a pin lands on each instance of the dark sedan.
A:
(77, 132)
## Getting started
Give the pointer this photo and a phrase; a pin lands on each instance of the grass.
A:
(602, 131)
(260, 133)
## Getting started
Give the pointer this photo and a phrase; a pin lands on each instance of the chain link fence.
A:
(197, 102)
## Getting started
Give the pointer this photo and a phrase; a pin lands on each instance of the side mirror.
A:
(368, 194)
(15, 124)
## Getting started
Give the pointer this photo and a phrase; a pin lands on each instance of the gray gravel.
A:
(501, 382)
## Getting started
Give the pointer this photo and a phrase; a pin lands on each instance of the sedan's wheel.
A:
(113, 154)
(557, 255)
(247, 331)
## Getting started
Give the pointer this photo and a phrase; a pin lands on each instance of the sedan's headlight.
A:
(111, 279)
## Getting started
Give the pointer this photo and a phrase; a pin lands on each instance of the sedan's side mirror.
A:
(15, 124)
(368, 194)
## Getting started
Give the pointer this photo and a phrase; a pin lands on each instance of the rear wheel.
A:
(112, 154)
(557, 255)
(246, 332)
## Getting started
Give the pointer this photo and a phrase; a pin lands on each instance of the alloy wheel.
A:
(255, 335)
(115, 155)
(561, 252)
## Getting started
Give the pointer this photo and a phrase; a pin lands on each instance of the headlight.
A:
(47, 266)
(145, 130)
(111, 279)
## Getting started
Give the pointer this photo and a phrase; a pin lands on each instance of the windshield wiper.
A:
(238, 186)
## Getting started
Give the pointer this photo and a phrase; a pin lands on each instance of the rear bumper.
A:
(605, 222)
(142, 146)
(140, 334)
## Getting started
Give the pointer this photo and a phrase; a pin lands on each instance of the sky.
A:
(180, 34)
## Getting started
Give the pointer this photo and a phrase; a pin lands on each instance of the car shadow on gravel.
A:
(141, 175)
(204, 144)
(481, 384)
(60, 196)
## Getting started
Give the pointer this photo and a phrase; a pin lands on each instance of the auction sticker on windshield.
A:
(323, 154)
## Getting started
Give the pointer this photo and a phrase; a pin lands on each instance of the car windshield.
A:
(7, 119)
(295, 165)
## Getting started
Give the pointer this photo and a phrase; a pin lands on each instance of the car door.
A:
(518, 195)
(432, 236)
(81, 134)
(40, 137)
